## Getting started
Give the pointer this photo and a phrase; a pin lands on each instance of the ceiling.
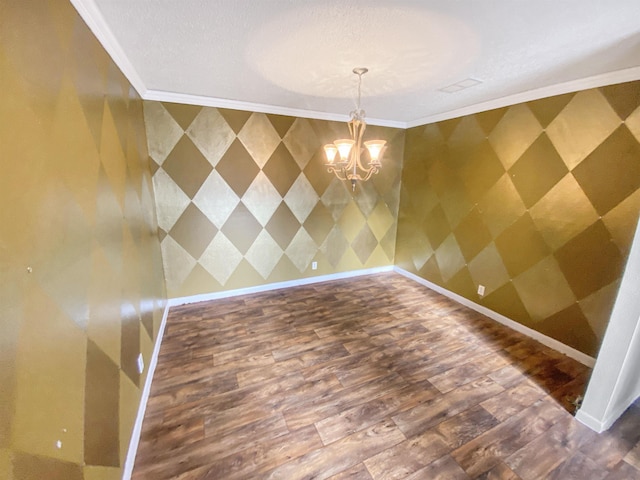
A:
(296, 57)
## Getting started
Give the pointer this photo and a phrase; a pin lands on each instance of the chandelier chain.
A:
(359, 91)
(358, 113)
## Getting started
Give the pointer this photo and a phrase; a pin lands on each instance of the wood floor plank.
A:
(322, 354)
(467, 372)
(361, 416)
(345, 330)
(445, 468)
(433, 412)
(578, 467)
(191, 388)
(164, 437)
(543, 454)
(321, 407)
(359, 472)
(499, 472)
(266, 394)
(344, 367)
(612, 446)
(407, 457)
(568, 393)
(513, 400)
(260, 374)
(332, 380)
(261, 457)
(467, 425)
(508, 376)
(378, 365)
(487, 450)
(623, 471)
(457, 351)
(633, 457)
(212, 448)
(341, 455)
(261, 344)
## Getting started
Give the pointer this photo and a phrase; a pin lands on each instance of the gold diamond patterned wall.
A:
(538, 202)
(244, 199)
(81, 282)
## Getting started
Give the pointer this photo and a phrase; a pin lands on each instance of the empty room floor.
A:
(372, 377)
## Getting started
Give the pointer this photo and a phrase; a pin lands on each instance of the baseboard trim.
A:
(518, 327)
(137, 427)
(592, 422)
(276, 286)
(600, 426)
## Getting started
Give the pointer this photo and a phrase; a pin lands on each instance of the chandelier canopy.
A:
(349, 163)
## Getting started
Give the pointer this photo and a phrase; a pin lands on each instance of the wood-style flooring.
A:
(373, 377)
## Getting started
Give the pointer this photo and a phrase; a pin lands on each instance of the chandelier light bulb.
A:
(330, 150)
(344, 147)
(375, 149)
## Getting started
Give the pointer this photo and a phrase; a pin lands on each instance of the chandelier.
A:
(349, 165)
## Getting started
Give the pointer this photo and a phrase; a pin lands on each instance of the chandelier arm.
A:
(352, 128)
(366, 174)
(361, 127)
(372, 170)
(338, 172)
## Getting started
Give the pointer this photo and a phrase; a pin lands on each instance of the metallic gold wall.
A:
(244, 199)
(81, 282)
(537, 201)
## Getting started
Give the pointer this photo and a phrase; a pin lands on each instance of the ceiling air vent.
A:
(461, 85)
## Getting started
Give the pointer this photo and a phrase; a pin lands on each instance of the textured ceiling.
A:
(296, 57)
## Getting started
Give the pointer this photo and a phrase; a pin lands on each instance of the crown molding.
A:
(610, 78)
(163, 96)
(94, 19)
(92, 16)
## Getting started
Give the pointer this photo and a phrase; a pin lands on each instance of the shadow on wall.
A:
(537, 202)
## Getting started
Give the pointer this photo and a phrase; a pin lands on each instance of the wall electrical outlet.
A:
(314, 265)
(140, 364)
(481, 290)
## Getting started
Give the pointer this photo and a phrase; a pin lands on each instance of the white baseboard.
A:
(518, 327)
(137, 427)
(276, 286)
(591, 422)
(609, 419)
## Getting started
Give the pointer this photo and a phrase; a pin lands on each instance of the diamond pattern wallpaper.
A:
(244, 199)
(81, 280)
(538, 202)
(104, 199)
